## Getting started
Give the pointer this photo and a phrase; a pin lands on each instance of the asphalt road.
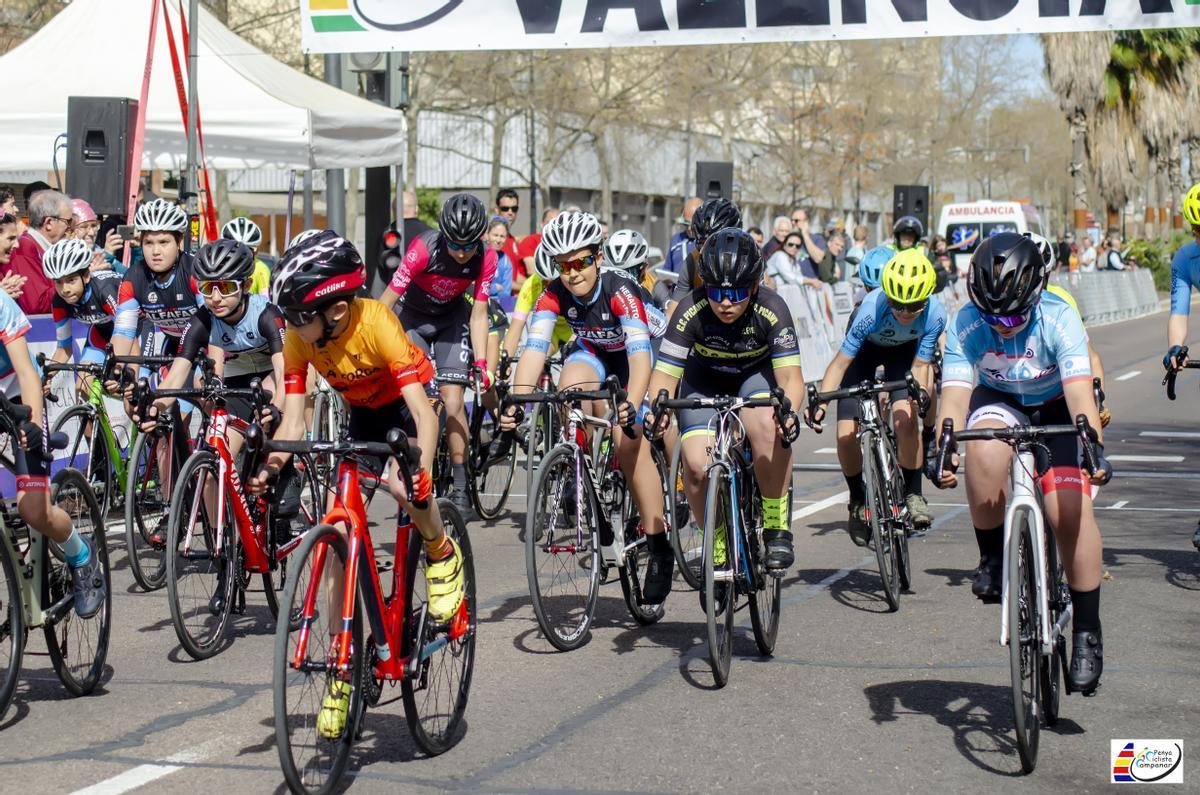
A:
(855, 698)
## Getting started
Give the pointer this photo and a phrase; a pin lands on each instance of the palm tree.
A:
(1114, 151)
(1075, 68)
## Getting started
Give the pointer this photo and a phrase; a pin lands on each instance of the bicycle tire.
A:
(541, 438)
(12, 630)
(718, 613)
(573, 629)
(200, 628)
(435, 732)
(632, 575)
(1052, 667)
(98, 469)
(766, 590)
(320, 769)
(879, 515)
(78, 646)
(1024, 644)
(488, 481)
(145, 504)
(903, 522)
(687, 538)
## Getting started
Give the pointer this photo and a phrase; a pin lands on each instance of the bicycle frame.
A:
(729, 433)
(612, 554)
(31, 572)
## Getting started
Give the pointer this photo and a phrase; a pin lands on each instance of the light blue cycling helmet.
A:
(870, 270)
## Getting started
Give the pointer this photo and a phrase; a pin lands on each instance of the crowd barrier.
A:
(1111, 296)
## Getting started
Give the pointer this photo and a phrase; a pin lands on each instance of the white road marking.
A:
(825, 450)
(1116, 506)
(1119, 506)
(820, 505)
(1130, 374)
(142, 775)
(1171, 434)
(1166, 459)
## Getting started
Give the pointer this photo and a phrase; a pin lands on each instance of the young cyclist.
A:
(82, 296)
(244, 230)
(1185, 274)
(870, 270)
(907, 232)
(544, 271)
(709, 217)
(361, 349)
(429, 292)
(1031, 359)
(735, 337)
(606, 312)
(627, 250)
(896, 327)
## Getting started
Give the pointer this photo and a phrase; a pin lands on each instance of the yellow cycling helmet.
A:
(1191, 205)
(908, 277)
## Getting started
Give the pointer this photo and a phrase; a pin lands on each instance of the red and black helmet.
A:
(317, 271)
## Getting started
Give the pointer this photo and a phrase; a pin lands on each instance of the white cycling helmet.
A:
(626, 249)
(243, 230)
(160, 215)
(66, 257)
(302, 236)
(571, 231)
(544, 264)
(1045, 248)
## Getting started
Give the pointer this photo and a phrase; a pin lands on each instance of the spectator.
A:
(681, 244)
(9, 232)
(8, 202)
(814, 245)
(508, 205)
(33, 187)
(783, 266)
(1113, 261)
(50, 220)
(529, 243)
(1063, 254)
(413, 225)
(829, 269)
(496, 237)
(779, 233)
(858, 249)
(757, 234)
(943, 265)
(1087, 256)
(87, 225)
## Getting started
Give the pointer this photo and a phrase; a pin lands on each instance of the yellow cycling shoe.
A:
(445, 584)
(331, 720)
(719, 547)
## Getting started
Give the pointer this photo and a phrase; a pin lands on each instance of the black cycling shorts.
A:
(698, 382)
(445, 339)
(372, 425)
(896, 360)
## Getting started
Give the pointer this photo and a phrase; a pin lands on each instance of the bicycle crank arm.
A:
(59, 610)
(432, 646)
(413, 664)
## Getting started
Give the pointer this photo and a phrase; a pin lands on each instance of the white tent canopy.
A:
(255, 111)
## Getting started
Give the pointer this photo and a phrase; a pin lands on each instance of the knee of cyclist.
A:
(34, 508)
(904, 417)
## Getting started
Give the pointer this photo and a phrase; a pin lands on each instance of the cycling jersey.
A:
(1062, 294)
(874, 321)
(439, 279)
(689, 277)
(260, 280)
(697, 335)
(613, 319)
(369, 363)
(168, 305)
(13, 325)
(1185, 274)
(1049, 351)
(249, 344)
(97, 309)
(530, 291)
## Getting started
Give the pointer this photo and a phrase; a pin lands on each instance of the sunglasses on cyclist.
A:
(578, 264)
(915, 308)
(226, 288)
(461, 246)
(299, 317)
(735, 295)
(1007, 321)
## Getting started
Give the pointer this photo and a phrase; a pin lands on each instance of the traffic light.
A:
(390, 252)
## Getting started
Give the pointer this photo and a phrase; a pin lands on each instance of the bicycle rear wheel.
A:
(687, 540)
(766, 590)
(633, 574)
(201, 568)
(12, 629)
(435, 700)
(313, 751)
(902, 524)
(879, 509)
(720, 594)
(1024, 650)
(87, 451)
(78, 646)
(491, 464)
(562, 552)
(540, 438)
(146, 503)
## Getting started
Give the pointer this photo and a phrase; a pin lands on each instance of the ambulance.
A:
(965, 224)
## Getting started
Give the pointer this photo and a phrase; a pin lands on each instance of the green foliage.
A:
(429, 205)
(1156, 255)
(1161, 56)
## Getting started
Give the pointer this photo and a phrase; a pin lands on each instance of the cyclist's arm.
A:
(125, 324)
(660, 380)
(1097, 364)
(479, 327)
(27, 376)
(61, 355)
(635, 323)
(272, 328)
(1080, 400)
(1177, 330)
(923, 373)
(415, 260)
(791, 380)
(512, 337)
(537, 344)
(425, 420)
(835, 372)
(953, 404)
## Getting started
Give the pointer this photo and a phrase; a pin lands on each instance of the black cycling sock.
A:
(458, 473)
(912, 480)
(858, 492)
(991, 542)
(1086, 610)
(658, 544)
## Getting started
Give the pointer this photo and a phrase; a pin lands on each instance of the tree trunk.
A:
(1175, 188)
(600, 146)
(499, 125)
(1078, 177)
(1150, 216)
(411, 147)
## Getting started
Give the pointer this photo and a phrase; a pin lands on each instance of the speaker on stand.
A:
(911, 200)
(100, 134)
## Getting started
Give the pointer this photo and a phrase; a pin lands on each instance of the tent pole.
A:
(190, 192)
(335, 179)
(308, 199)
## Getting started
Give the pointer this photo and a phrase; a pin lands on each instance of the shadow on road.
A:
(861, 590)
(954, 577)
(1182, 564)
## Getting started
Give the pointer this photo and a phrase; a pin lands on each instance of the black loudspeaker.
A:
(100, 134)
(714, 180)
(911, 200)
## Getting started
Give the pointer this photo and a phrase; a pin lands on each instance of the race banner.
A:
(423, 25)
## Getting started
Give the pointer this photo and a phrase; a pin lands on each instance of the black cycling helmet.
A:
(1007, 274)
(317, 271)
(714, 214)
(730, 258)
(463, 219)
(224, 259)
(909, 224)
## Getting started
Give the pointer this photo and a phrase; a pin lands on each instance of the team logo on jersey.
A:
(152, 297)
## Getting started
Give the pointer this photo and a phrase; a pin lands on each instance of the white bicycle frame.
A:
(1025, 496)
(610, 554)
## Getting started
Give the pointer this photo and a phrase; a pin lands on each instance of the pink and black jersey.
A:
(429, 279)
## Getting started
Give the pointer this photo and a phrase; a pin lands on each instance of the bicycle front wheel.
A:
(687, 540)
(1024, 647)
(541, 436)
(879, 509)
(200, 558)
(435, 700)
(12, 630)
(312, 733)
(87, 451)
(633, 574)
(562, 552)
(491, 464)
(719, 588)
(78, 646)
(146, 503)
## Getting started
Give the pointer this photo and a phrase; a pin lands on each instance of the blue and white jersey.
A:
(248, 344)
(1051, 350)
(1185, 274)
(13, 325)
(873, 321)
